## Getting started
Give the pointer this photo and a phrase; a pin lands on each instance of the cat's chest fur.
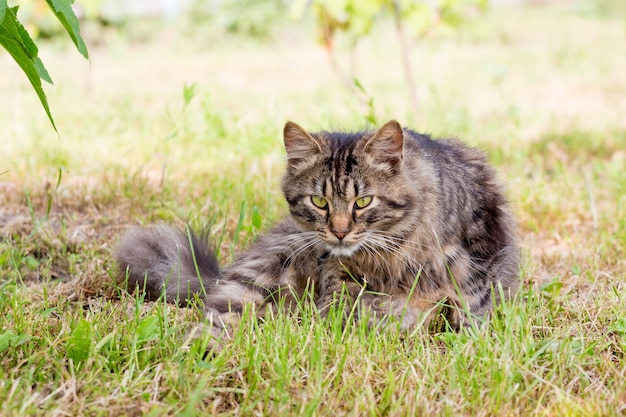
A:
(396, 269)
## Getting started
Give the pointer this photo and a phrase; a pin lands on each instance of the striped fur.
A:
(400, 221)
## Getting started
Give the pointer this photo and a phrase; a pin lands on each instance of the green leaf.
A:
(63, 11)
(189, 92)
(17, 42)
(148, 329)
(79, 344)
(619, 326)
(420, 17)
(257, 220)
(32, 262)
(41, 70)
(3, 9)
(20, 33)
(552, 289)
(9, 339)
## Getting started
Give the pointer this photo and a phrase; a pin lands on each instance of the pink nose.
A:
(340, 233)
(340, 225)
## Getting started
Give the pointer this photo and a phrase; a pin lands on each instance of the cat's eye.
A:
(363, 202)
(319, 202)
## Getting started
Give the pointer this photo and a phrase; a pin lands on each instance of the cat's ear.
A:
(299, 144)
(387, 144)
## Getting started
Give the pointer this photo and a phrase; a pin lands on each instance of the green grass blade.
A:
(242, 215)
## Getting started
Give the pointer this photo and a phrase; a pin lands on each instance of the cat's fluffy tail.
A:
(162, 260)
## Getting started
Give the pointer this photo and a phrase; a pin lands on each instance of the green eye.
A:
(319, 202)
(363, 202)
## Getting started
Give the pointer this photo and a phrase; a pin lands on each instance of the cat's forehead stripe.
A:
(342, 169)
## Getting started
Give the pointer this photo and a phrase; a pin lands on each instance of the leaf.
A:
(371, 111)
(420, 17)
(17, 42)
(619, 327)
(148, 329)
(31, 261)
(41, 70)
(189, 92)
(63, 11)
(3, 9)
(21, 34)
(257, 220)
(9, 339)
(552, 288)
(78, 346)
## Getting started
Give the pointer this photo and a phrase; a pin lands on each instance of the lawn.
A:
(186, 128)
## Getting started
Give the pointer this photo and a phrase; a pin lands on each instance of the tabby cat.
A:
(394, 220)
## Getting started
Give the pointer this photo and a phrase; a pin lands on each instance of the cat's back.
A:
(473, 211)
(441, 151)
(454, 163)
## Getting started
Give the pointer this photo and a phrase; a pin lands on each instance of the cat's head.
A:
(349, 188)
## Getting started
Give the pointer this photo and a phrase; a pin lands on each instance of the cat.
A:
(394, 220)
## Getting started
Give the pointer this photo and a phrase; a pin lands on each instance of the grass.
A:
(176, 131)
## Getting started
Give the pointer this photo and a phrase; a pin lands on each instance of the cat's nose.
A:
(340, 226)
(340, 234)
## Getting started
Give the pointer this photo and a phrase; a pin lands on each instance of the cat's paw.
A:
(215, 333)
(380, 310)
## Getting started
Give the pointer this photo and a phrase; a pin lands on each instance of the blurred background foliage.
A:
(265, 19)
(336, 24)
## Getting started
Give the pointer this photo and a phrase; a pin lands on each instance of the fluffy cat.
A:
(395, 220)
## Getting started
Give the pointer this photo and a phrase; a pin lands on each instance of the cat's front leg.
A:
(336, 285)
(340, 286)
(257, 281)
(408, 312)
(217, 328)
(225, 301)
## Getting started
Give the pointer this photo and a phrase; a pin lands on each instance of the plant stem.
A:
(408, 71)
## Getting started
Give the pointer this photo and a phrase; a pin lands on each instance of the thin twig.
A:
(408, 71)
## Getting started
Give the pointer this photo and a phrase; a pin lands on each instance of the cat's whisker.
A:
(378, 246)
(316, 245)
(293, 255)
(398, 241)
(299, 235)
(382, 244)
(296, 240)
(389, 245)
(376, 256)
(308, 243)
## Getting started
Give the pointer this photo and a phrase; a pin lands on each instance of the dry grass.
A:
(542, 90)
